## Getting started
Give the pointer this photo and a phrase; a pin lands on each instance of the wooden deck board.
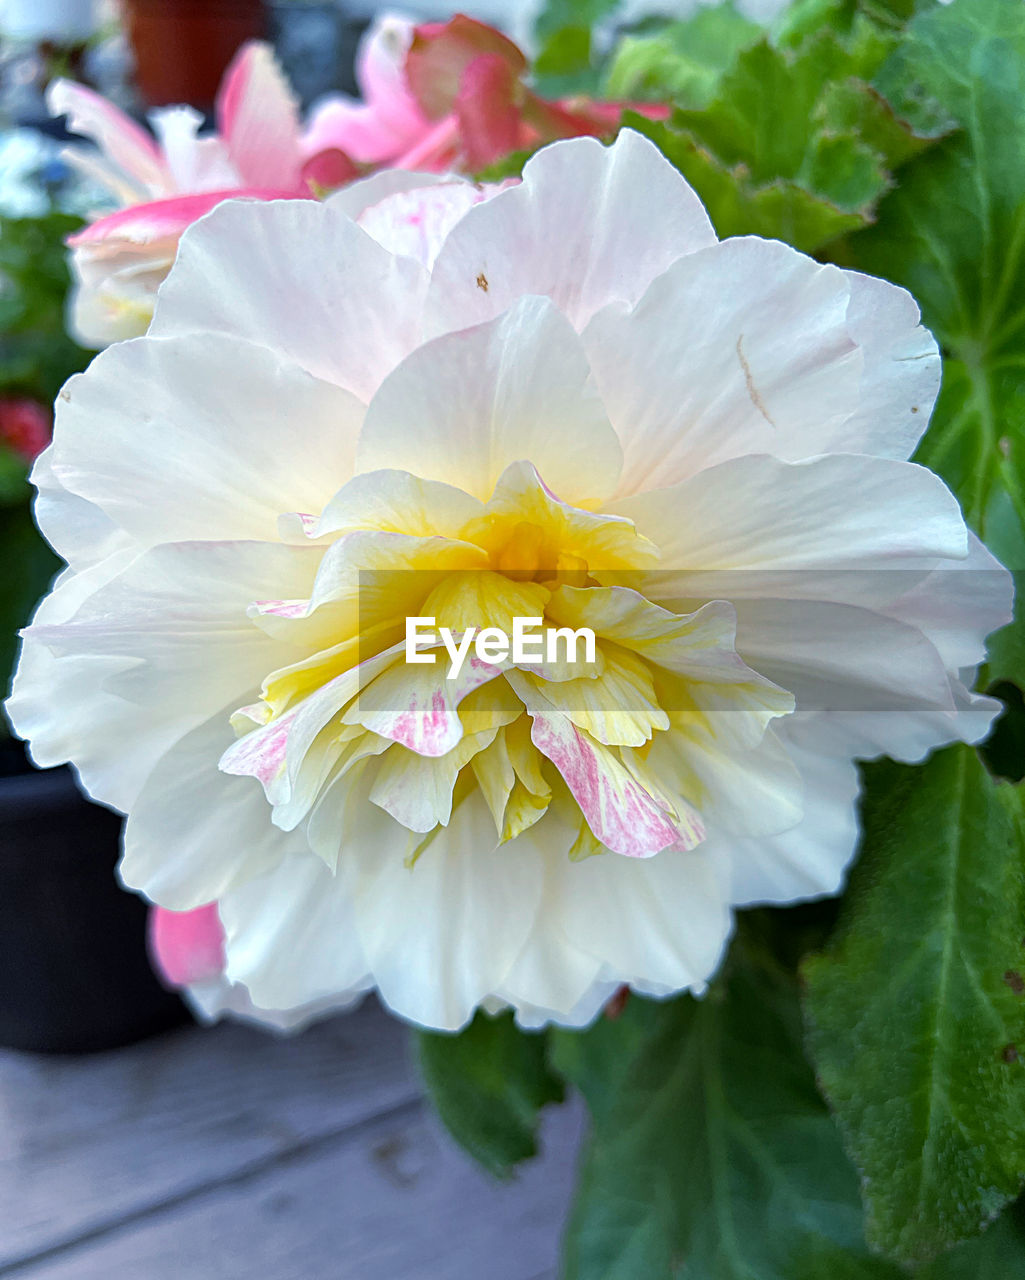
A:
(228, 1152)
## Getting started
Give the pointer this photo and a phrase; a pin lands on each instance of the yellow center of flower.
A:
(621, 748)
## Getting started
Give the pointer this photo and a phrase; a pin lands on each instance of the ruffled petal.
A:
(465, 406)
(194, 442)
(739, 348)
(303, 280)
(571, 232)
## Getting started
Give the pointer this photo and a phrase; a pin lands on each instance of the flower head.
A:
(564, 400)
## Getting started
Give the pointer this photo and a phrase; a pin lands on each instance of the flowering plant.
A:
(607, 393)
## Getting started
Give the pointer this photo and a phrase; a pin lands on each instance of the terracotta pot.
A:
(182, 47)
(74, 972)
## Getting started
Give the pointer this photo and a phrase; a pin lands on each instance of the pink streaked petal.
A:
(123, 142)
(187, 946)
(258, 118)
(261, 754)
(624, 816)
(621, 813)
(158, 219)
(415, 223)
(280, 608)
(418, 707)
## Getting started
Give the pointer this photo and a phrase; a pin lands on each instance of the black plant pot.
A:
(74, 973)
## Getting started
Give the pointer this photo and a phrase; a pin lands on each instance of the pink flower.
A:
(25, 425)
(447, 96)
(187, 947)
(165, 183)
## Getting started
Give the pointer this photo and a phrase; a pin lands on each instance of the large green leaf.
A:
(489, 1084)
(713, 1155)
(917, 1008)
(954, 234)
(796, 144)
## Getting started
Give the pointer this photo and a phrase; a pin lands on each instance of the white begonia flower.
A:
(565, 400)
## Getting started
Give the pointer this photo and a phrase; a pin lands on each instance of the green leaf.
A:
(29, 565)
(489, 1084)
(954, 234)
(565, 61)
(796, 144)
(684, 61)
(1004, 749)
(36, 355)
(917, 1008)
(712, 1155)
(779, 210)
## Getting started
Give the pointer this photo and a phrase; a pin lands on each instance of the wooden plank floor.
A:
(230, 1154)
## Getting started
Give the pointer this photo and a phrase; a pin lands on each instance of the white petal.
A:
(660, 921)
(811, 858)
(843, 527)
(398, 502)
(415, 223)
(118, 137)
(77, 529)
(302, 279)
(839, 657)
(138, 660)
(441, 934)
(62, 706)
(218, 998)
(740, 348)
(465, 406)
(353, 199)
(587, 225)
(202, 437)
(291, 937)
(901, 377)
(959, 604)
(193, 832)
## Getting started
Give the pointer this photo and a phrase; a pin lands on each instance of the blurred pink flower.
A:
(164, 183)
(447, 96)
(25, 425)
(187, 947)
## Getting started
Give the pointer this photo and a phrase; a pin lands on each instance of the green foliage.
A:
(795, 143)
(489, 1085)
(566, 60)
(29, 564)
(954, 234)
(712, 1153)
(36, 355)
(36, 358)
(684, 61)
(917, 1008)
